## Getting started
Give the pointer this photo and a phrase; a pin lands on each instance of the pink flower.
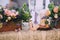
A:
(6, 11)
(10, 13)
(14, 15)
(47, 13)
(55, 9)
(17, 13)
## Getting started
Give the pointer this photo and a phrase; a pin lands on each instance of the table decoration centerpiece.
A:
(52, 17)
(11, 19)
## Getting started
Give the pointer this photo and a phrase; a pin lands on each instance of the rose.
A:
(7, 12)
(47, 13)
(11, 12)
(55, 10)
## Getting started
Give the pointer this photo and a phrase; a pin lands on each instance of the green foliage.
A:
(59, 11)
(51, 6)
(52, 24)
(59, 7)
(1, 10)
(24, 13)
(46, 22)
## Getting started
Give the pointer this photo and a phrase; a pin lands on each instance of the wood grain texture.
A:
(31, 35)
(11, 26)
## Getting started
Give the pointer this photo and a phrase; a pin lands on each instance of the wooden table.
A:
(31, 35)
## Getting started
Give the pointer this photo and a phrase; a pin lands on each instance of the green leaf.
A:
(46, 22)
(52, 24)
(51, 6)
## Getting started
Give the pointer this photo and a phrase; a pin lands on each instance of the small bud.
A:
(9, 18)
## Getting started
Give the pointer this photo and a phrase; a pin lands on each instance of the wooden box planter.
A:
(10, 26)
(44, 28)
(58, 25)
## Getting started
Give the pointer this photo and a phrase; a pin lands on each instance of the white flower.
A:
(17, 13)
(48, 21)
(6, 20)
(50, 18)
(56, 16)
(0, 7)
(9, 18)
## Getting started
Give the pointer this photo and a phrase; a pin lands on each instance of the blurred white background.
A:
(4, 2)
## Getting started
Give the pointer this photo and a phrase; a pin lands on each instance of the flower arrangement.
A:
(7, 15)
(55, 11)
(55, 14)
(15, 15)
(51, 16)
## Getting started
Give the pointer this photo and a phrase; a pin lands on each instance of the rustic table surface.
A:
(31, 35)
